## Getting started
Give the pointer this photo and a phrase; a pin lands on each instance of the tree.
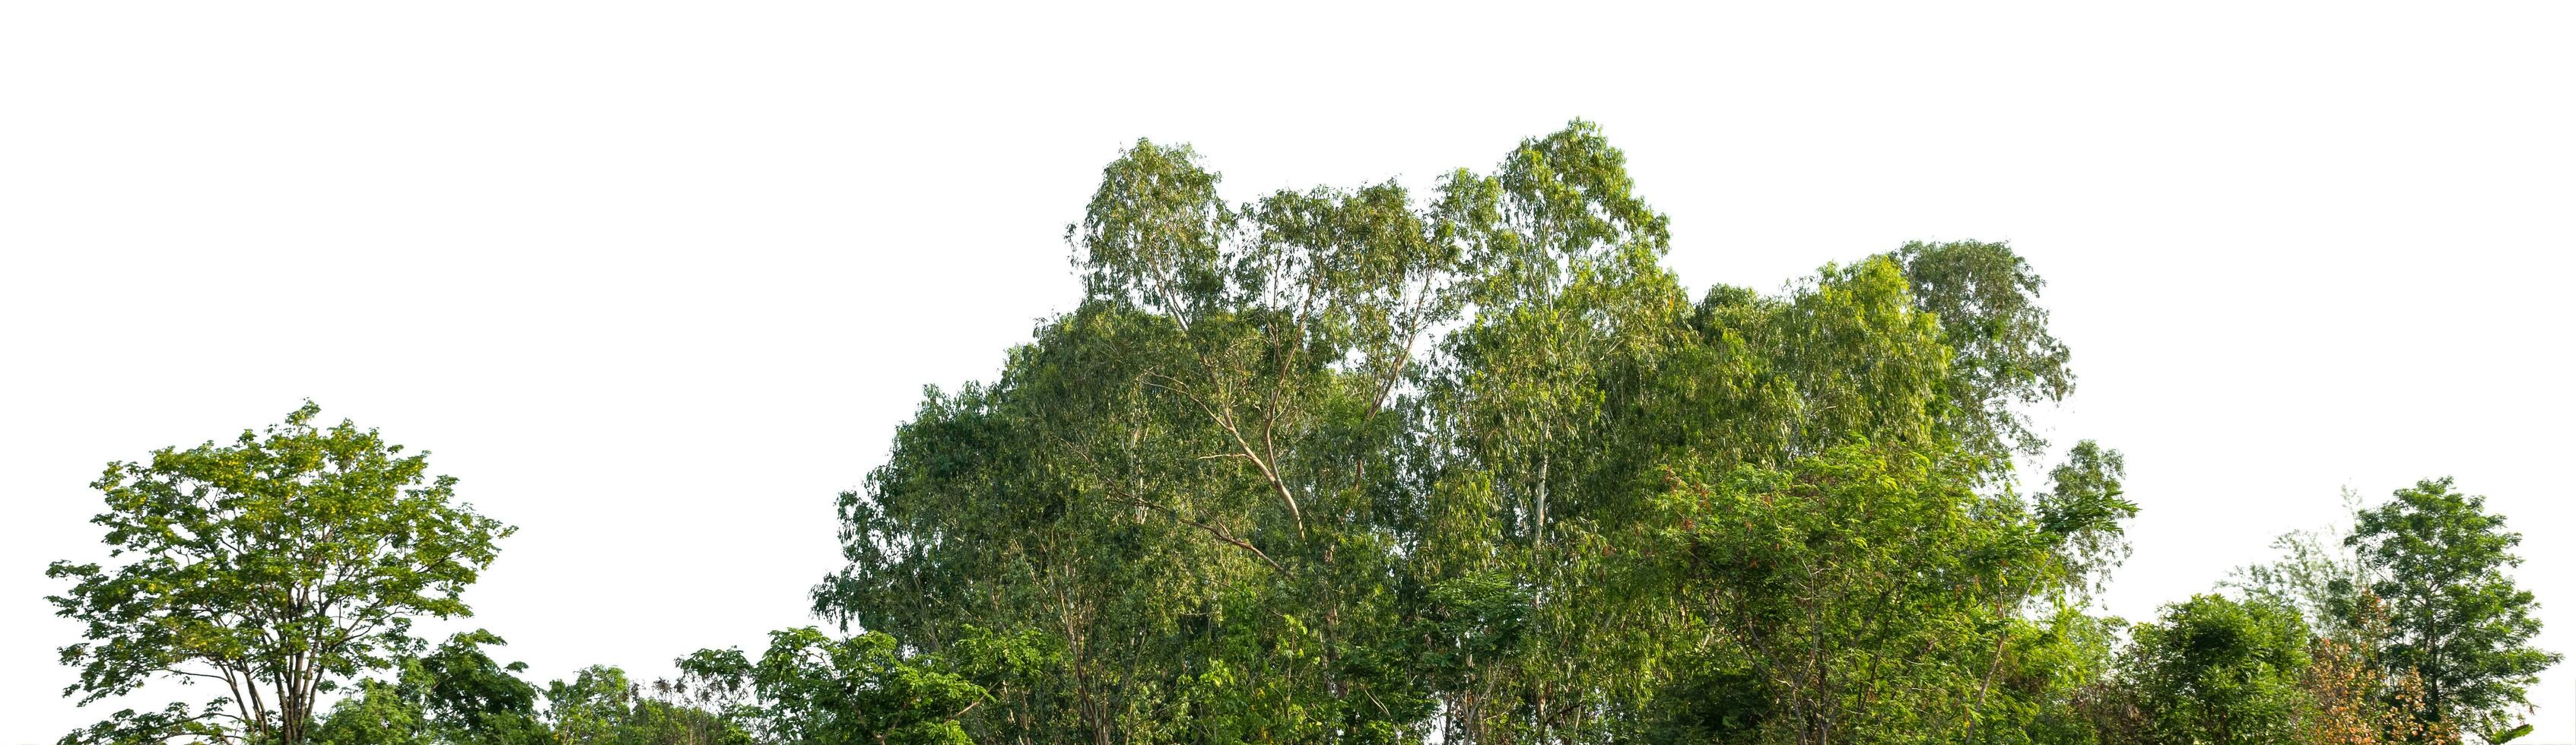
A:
(1986, 298)
(601, 706)
(2352, 700)
(813, 689)
(1871, 590)
(1204, 443)
(1857, 588)
(377, 713)
(2221, 671)
(2455, 617)
(456, 695)
(1363, 465)
(2319, 573)
(472, 699)
(274, 566)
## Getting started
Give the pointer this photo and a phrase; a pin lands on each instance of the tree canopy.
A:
(1353, 464)
(2455, 618)
(275, 566)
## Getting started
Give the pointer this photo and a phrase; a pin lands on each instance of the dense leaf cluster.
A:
(1361, 465)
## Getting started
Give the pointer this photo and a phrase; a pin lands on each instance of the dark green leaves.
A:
(2217, 670)
(2455, 616)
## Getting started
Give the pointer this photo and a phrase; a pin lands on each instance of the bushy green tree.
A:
(376, 713)
(274, 566)
(1850, 585)
(1364, 466)
(457, 695)
(473, 699)
(601, 706)
(813, 689)
(2441, 563)
(2221, 671)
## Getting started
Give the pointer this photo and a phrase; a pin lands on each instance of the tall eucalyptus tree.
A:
(1362, 465)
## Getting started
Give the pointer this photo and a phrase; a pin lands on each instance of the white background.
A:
(656, 280)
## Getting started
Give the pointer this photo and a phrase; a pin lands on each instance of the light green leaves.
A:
(273, 565)
(809, 687)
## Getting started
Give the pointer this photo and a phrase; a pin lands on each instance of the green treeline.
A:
(1370, 465)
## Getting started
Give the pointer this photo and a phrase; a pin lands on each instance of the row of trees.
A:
(283, 565)
(1370, 466)
(2404, 628)
(807, 688)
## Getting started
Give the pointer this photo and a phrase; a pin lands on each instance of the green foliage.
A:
(601, 706)
(813, 689)
(2455, 617)
(2215, 670)
(377, 714)
(1871, 590)
(275, 566)
(1353, 465)
(2082, 512)
(1985, 298)
(457, 694)
(1834, 579)
(472, 699)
